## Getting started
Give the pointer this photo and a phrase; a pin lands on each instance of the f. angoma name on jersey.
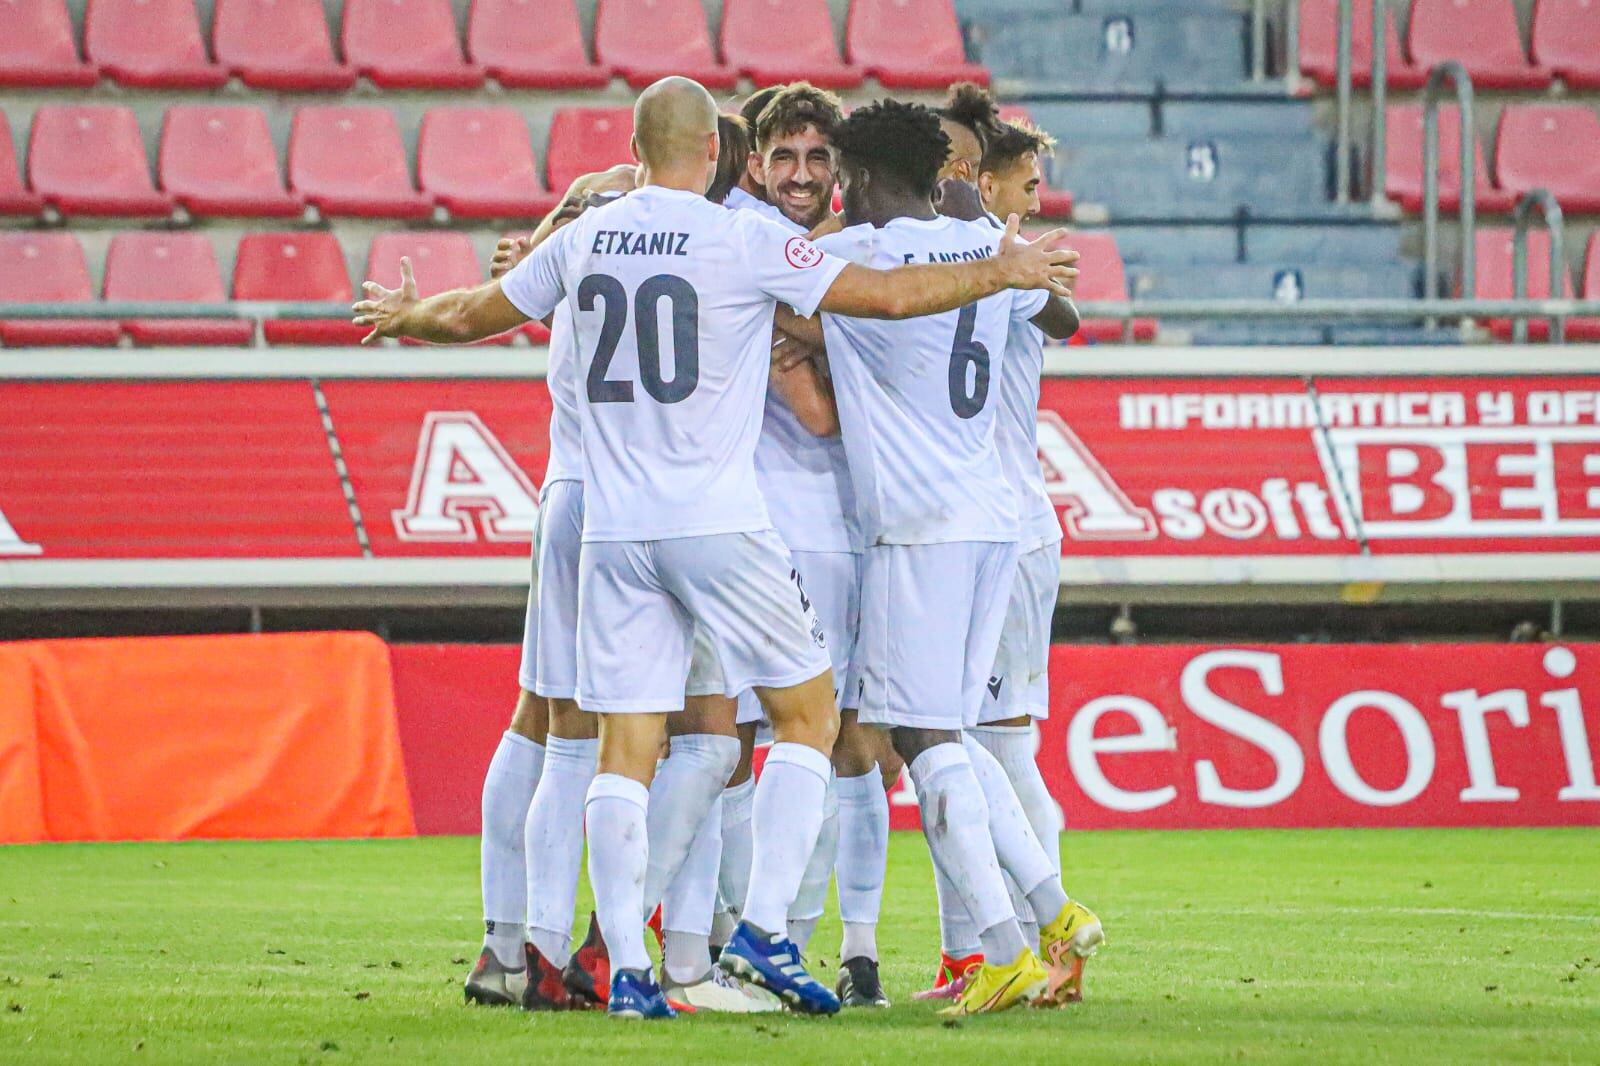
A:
(952, 257)
(622, 242)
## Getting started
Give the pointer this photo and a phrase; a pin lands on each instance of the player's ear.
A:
(633, 146)
(756, 167)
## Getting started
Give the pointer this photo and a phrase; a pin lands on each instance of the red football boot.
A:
(545, 989)
(588, 974)
(952, 978)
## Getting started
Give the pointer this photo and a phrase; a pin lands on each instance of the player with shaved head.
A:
(673, 300)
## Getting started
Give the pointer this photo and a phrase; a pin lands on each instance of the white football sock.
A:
(687, 783)
(863, 851)
(1024, 912)
(1018, 850)
(785, 820)
(958, 937)
(615, 817)
(555, 840)
(799, 931)
(691, 899)
(813, 896)
(507, 789)
(955, 820)
(733, 873)
(860, 940)
(1013, 748)
(723, 923)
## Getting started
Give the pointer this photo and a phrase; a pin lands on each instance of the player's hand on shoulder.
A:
(831, 224)
(385, 309)
(1037, 264)
(508, 252)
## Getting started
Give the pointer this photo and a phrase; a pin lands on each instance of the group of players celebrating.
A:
(793, 489)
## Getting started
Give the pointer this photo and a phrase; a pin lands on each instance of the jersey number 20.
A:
(647, 332)
(967, 352)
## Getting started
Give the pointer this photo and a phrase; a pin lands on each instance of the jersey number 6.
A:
(647, 332)
(965, 352)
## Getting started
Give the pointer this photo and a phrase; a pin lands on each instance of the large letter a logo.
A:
(461, 468)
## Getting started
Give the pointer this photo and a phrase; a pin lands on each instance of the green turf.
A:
(1361, 947)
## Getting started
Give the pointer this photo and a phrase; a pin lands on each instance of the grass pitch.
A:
(1361, 947)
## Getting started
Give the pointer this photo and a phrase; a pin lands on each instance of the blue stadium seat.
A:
(1178, 244)
(1286, 280)
(1376, 242)
(1099, 120)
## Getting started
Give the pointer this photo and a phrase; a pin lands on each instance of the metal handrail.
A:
(1553, 221)
(1453, 72)
(1341, 162)
(1379, 155)
(1258, 40)
(1291, 46)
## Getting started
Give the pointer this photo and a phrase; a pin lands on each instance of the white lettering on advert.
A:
(461, 467)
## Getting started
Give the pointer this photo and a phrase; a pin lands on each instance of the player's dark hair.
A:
(894, 139)
(756, 103)
(1010, 141)
(733, 153)
(970, 104)
(794, 108)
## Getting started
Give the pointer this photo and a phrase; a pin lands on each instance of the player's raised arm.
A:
(927, 289)
(456, 317)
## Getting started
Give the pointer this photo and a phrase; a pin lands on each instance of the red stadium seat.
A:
(909, 44)
(584, 140)
(1566, 40)
(48, 268)
(1104, 278)
(478, 162)
(14, 198)
(1556, 147)
(1403, 182)
(777, 41)
(220, 161)
(1588, 329)
(406, 44)
(643, 40)
(149, 44)
(439, 261)
(37, 48)
(177, 267)
(350, 161)
(1494, 270)
(1053, 203)
(278, 44)
(91, 161)
(532, 44)
(1319, 47)
(1482, 34)
(296, 267)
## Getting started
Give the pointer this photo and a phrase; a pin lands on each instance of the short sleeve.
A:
(536, 285)
(788, 268)
(1026, 303)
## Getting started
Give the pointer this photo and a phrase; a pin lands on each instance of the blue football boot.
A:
(773, 962)
(635, 994)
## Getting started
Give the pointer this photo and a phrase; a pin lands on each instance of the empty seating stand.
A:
(532, 44)
(1404, 179)
(170, 267)
(278, 44)
(1104, 279)
(777, 41)
(478, 162)
(644, 40)
(1493, 279)
(406, 44)
(1482, 34)
(439, 261)
(14, 198)
(1588, 329)
(149, 44)
(37, 47)
(909, 44)
(296, 267)
(221, 161)
(1556, 147)
(1566, 41)
(1319, 47)
(49, 268)
(584, 140)
(91, 161)
(350, 161)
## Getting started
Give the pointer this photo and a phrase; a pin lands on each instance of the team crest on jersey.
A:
(801, 253)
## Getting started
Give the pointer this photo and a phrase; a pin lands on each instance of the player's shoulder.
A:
(851, 243)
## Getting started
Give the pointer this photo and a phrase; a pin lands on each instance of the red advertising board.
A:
(1320, 735)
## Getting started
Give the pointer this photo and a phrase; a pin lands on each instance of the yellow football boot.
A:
(1066, 944)
(991, 989)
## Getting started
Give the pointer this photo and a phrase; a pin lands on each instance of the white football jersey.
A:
(739, 200)
(1017, 434)
(804, 477)
(561, 375)
(918, 398)
(672, 298)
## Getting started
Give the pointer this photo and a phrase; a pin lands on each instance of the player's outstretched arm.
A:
(457, 317)
(928, 289)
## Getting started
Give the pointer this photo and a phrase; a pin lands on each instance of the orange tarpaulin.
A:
(290, 735)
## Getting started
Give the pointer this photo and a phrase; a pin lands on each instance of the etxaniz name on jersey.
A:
(621, 242)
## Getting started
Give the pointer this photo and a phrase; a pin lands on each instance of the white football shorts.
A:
(832, 582)
(639, 603)
(931, 616)
(1020, 682)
